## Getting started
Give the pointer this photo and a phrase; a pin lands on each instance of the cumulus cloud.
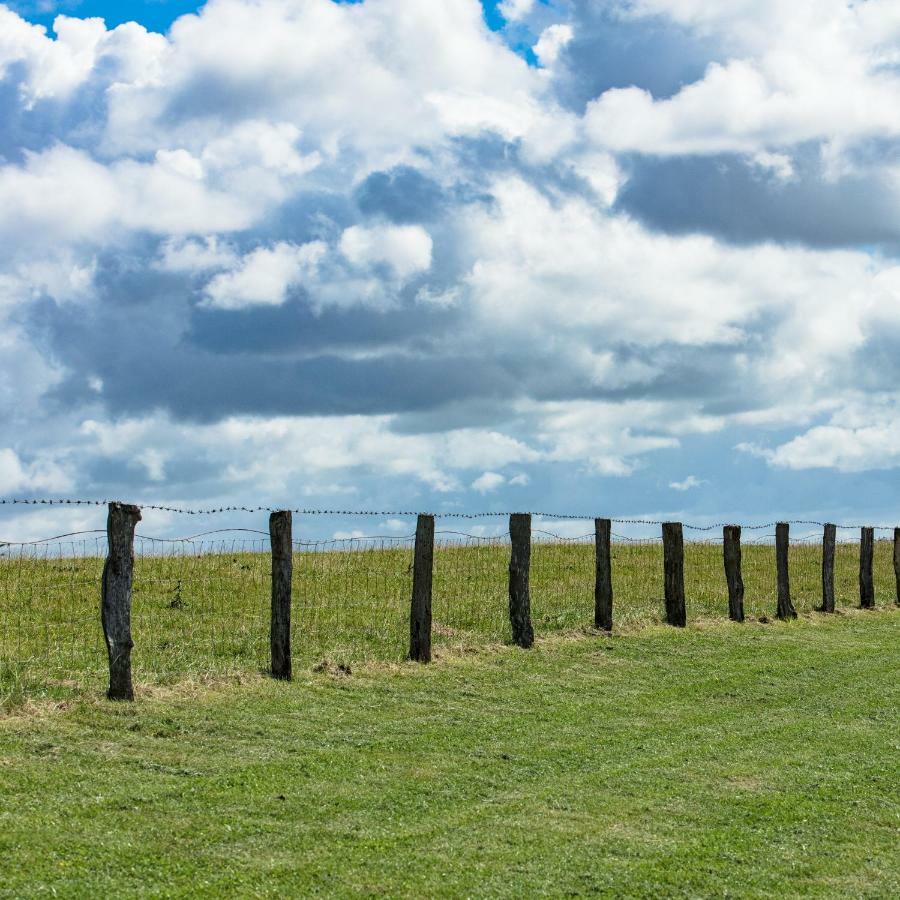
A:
(551, 43)
(801, 72)
(514, 10)
(264, 276)
(488, 482)
(40, 475)
(405, 249)
(862, 434)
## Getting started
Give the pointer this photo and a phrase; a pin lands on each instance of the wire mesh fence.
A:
(469, 589)
(350, 599)
(49, 613)
(201, 605)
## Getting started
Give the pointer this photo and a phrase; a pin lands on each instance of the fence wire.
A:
(50, 632)
(201, 605)
(350, 599)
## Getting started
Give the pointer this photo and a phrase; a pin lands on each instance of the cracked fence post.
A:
(866, 562)
(732, 553)
(519, 572)
(828, 541)
(603, 588)
(280, 533)
(782, 545)
(115, 597)
(423, 573)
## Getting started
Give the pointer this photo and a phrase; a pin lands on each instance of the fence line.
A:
(443, 585)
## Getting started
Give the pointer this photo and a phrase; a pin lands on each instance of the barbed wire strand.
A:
(409, 513)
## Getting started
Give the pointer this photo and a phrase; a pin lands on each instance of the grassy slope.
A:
(751, 760)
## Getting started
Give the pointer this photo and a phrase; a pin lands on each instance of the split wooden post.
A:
(115, 597)
(782, 546)
(420, 611)
(673, 565)
(897, 562)
(280, 534)
(519, 573)
(732, 552)
(829, 538)
(603, 589)
(866, 564)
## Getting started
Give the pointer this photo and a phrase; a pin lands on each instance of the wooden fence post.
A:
(420, 611)
(732, 552)
(866, 562)
(603, 589)
(828, 542)
(519, 572)
(782, 546)
(280, 534)
(673, 564)
(897, 562)
(115, 597)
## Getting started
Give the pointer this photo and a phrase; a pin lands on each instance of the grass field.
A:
(720, 760)
(203, 608)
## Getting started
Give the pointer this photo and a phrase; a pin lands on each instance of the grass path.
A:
(717, 761)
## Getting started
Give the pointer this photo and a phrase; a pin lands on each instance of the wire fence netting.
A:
(201, 606)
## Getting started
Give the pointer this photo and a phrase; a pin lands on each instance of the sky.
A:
(605, 258)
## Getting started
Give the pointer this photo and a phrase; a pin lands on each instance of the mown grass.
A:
(203, 609)
(721, 760)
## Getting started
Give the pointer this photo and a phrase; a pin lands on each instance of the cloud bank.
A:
(381, 252)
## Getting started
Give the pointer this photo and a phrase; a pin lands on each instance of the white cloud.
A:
(551, 43)
(800, 72)
(40, 475)
(488, 483)
(863, 434)
(687, 484)
(63, 195)
(521, 480)
(405, 248)
(287, 61)
(267, 454)
(263, 277)
(55, 68)
(193, 255)
(779, 164)
(515, 10)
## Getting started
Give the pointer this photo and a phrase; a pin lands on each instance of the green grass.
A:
(203, 609)
(719, 760)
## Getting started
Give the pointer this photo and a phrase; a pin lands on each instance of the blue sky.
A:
(600, 257)
(157, 15)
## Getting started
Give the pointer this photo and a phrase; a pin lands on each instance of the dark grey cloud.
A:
(295, 327)
(76, 121)
(731, 198)
(610, 50)
(403, 195)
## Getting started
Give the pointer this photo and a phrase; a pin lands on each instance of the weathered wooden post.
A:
(519, 572)
(828, 541)
(115, 597)
(866, 564)
(420, 611)
(897, 562)
(732, 552)
(782, 546)
(280, 534)
(673, 566)
(603, 589)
